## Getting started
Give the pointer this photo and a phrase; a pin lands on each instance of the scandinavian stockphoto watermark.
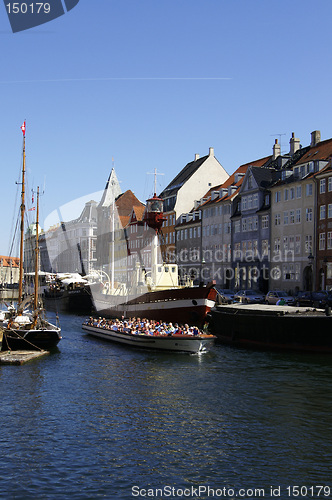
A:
(28, 14)
(205, 491)
(226, 265)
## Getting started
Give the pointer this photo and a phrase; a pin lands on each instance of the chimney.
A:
(196, 156)
(211, 151)
(294, 144)
(276, 149)
(315, 138)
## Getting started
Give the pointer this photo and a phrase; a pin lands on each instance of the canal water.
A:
(98, 420)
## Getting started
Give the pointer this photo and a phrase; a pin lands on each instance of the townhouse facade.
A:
(192, 182)
(71, 246)
(261, 233)
(267, 226)
(9, 270)
(217, 230)
(324, 228)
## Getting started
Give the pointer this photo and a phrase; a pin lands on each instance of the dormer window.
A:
(250, 179)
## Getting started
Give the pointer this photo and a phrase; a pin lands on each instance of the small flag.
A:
(23, 128)
(33, 208)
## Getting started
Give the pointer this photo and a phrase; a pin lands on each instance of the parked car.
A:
(225, 296)
(274, 296)
(249, 297)
(313, 299)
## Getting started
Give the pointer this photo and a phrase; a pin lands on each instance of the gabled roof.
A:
(258, 163)
(263, 176)
(322, 151)
(261, 162)
(137, 214)
(112, 190)
(125, 204)
(182, 177)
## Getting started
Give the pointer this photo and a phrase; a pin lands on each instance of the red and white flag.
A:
(23, 128)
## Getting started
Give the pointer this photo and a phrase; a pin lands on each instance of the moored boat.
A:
(22, 328)
(186, 305)
(156, 294)
(68, 292)
(186, 341)
(282, 328)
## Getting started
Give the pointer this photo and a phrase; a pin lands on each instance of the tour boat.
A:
(193, 344)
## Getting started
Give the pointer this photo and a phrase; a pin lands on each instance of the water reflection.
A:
(94, 419)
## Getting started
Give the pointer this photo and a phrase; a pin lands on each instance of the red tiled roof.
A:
(9, 261)
(322, 151)
(125, 203)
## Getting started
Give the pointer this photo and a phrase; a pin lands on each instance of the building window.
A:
(308, 214)
(322, 241)
(277, 220)
(277, 245)
(265, 221)
(298, 216)
(255, 200)
(308, 243)
(291, 217)
(329, 184)
(297, 244)
(298, 192)
(322, 212)
(286, 195)
(265, 247)
(329, 210)
(322, 186)
(329, 240)
(292, 193)
(308, 190)
(285, 243)
(277, 196)
(285, 218)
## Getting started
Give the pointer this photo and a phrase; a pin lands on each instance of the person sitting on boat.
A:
(170, 328)
(195, 330)
(186, 329)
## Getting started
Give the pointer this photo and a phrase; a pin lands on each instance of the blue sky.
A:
(152, 82)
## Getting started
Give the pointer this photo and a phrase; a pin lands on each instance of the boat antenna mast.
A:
(155, 173)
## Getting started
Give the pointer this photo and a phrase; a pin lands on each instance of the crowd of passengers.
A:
(143, 326)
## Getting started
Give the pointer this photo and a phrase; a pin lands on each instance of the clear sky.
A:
(152, 82)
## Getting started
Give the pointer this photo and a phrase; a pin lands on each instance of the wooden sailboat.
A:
(23, 328)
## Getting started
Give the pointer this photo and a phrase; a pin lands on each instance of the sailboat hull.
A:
(30, 340)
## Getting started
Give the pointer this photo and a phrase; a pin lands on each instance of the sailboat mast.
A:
(21, 271)
(35, 301)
